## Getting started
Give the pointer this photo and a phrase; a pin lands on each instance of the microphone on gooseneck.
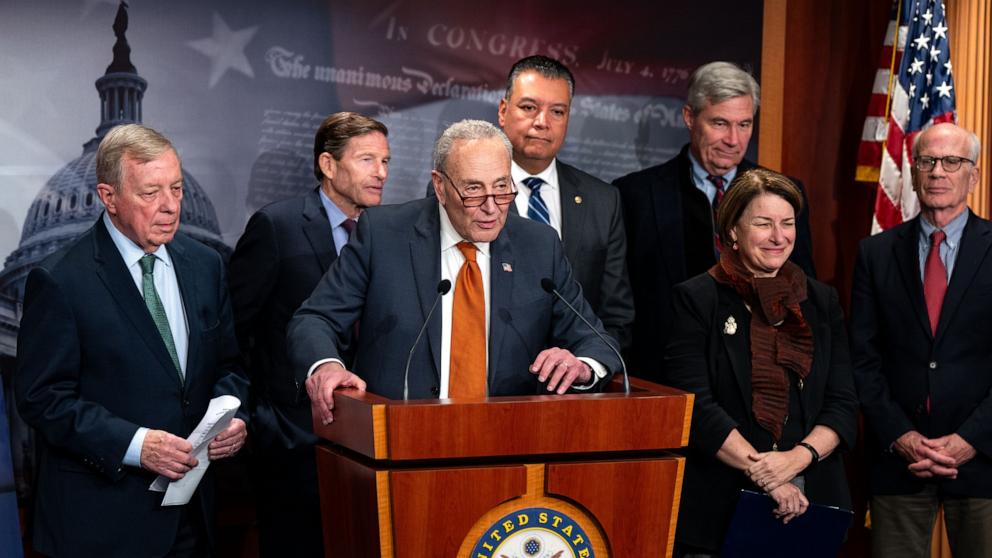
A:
(549, 286)
(442, 289)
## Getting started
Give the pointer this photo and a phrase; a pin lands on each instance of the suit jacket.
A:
(705, 359)
(898, 362)
(388, 275)
(595, 241)
(92, 368)
(285, 250)
(670, 239)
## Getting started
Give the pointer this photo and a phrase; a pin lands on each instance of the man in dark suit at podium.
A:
(126, 336)
(668, 209)
(285, 249)
(498, 333)
(583, 210)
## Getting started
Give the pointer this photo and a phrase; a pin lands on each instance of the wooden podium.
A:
(508, 477)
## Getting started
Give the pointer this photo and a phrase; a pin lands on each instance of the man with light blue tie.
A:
(125, 338)
(584, 210)
(285, 250)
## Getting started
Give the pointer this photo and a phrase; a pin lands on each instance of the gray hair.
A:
(717, 82)
(543, 65)
(127, 141)
(466, 130)
(974, 144)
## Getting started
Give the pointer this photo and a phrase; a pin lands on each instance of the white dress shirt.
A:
(167, 286)
(550, 192)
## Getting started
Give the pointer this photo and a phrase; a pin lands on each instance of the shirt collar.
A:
(548, 175)
(450, 237)
(130, 251)
(334, 213)
(700, 175)
(953, 230)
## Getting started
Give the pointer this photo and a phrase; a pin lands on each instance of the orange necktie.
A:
(467, 370)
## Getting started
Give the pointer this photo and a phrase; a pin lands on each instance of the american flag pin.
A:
(507, 267)
(578, 199)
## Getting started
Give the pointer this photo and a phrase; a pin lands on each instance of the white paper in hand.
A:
(215, 420)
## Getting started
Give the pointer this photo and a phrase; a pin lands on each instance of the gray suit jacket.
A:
(387, 278)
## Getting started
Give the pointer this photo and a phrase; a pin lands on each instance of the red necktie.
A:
(717, 181)
(934, 280)
(467, 369)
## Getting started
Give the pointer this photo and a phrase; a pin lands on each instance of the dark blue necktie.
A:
(536, 208)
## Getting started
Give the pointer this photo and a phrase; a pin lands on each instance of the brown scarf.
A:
(781, 340)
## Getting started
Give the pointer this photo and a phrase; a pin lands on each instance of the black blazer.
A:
(285, 250)
(704, 358)
(92, 368)
(668, 219)
(595, 241)
(898, 362)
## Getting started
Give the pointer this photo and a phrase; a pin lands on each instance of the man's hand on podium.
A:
(560, 368)
(322, 383)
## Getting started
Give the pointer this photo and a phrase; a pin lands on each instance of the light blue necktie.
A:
(536, 208)
(155, 307)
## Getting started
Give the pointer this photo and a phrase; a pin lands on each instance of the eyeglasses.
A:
(477, 201)
(950, 163)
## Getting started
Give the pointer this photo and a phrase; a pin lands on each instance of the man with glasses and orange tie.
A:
(496, 333)
(920, 320)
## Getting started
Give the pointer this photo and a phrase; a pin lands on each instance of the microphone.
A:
(442, 289)
(549, 286)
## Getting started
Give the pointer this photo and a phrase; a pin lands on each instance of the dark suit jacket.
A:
(388, 275)
(716, 366)
(92, 368)
(595, 241)
(285, 250)
(898, 362)
(670, 239)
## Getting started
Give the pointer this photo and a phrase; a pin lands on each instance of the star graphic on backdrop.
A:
(927, 16)
(912, 90)
(948, 66)
(916, 66)
(929, 79)
(944, 89)
(225, 49)
(925, 100)
(940, 30)
(934, 54)
(922, 42)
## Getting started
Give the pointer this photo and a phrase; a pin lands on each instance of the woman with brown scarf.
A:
(764, 349)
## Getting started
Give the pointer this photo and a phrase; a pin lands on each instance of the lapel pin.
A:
(730, 326)
(578, 199)
(507, 267)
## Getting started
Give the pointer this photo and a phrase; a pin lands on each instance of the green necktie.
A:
(154, 304)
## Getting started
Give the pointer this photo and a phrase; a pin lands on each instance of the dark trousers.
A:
(288, 503)
(902, 525)
(191, 539)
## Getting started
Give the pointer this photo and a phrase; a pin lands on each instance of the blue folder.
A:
(755, 532)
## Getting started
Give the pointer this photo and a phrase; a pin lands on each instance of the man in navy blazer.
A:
(668, 209)
(126, 336)
(389, 275)
(285, 250)
(921, 313)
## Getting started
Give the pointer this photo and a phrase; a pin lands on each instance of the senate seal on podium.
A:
(534, 532)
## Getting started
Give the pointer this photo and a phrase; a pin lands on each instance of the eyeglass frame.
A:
(465, 199)
(931, 162)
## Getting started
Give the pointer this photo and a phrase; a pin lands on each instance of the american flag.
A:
(913, 90)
